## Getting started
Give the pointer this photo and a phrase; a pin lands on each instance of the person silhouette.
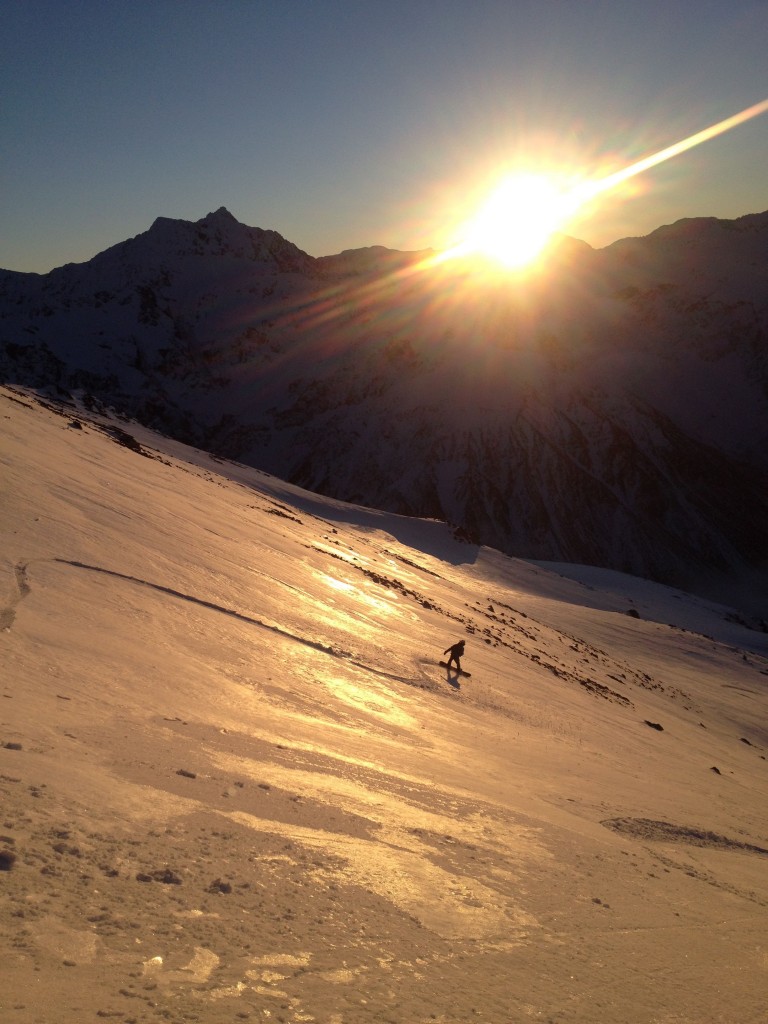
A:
(456, 651)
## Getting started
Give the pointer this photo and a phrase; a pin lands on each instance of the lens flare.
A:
(524, 212)
(612, 180)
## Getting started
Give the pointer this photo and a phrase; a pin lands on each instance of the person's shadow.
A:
(452, 678)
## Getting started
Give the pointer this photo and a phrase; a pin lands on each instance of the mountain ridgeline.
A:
(611, 409)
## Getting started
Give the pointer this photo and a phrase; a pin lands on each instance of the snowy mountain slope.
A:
(236, 785)
(613, 411)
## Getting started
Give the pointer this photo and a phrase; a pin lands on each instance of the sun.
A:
(519, 218)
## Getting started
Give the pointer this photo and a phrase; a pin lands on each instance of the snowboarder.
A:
(457, 650)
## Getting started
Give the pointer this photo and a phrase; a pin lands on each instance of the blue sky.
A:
(344, 123)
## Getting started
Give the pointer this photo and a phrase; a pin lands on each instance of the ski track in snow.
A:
(536, 651)
(8, 614)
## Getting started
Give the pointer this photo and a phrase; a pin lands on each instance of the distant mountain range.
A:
(611, 410)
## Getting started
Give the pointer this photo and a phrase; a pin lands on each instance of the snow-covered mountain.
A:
(611, 411)
(237, 786)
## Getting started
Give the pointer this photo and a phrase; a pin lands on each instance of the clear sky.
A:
(345, 123)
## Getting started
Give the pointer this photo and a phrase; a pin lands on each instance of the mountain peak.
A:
(219, 218)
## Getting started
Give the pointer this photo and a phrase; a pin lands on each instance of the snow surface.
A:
(236, 785)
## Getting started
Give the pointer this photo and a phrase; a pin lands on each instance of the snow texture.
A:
(237, 786)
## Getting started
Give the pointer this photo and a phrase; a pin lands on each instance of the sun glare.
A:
(519, 218)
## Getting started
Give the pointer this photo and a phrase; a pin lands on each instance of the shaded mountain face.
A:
(612, 410)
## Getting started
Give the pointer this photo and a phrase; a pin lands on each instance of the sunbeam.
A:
(525, 211)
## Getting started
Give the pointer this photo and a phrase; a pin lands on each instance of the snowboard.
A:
(444, 664)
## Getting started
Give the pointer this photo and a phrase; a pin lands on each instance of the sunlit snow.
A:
(237, 785)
